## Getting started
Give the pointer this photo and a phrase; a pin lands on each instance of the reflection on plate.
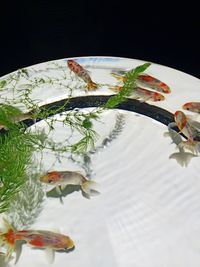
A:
(148, 209)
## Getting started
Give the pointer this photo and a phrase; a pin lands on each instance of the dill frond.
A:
(128, 86)
(17, 145)
(7, 115)
(85, 144)
(15, 156)
(2, 84)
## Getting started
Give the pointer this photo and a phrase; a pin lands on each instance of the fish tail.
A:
(4, 259)
(50, 255)
(192, 146)
(70, 243)
(89, 188)
(116, 89)
(92, 85)
(7, 238)
(119, 77)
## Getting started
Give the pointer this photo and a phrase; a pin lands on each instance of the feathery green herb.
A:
(2, 83)
(128, 86)
(15, 156)
(18, 144)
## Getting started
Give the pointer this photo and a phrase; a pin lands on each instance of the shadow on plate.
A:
(65, 192)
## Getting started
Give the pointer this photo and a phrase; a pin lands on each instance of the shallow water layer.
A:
(148, 211)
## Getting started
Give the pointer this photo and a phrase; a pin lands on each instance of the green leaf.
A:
(139, 69)
(128, 87)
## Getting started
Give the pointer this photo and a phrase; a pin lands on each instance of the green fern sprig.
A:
(128, 86)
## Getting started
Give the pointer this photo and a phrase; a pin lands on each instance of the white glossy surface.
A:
(148, 212)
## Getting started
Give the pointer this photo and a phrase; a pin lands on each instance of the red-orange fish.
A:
(147, 81)
(60, 179)
(154, 83)
(45, 239)
(184, 126)
(187, 128)
(192, 106)
(142, 94)
(36, 238)
(82, 73)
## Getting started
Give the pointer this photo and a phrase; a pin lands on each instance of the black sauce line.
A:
(161, 115)
(132, 105)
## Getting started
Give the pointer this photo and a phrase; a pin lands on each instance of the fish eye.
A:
(50, 181)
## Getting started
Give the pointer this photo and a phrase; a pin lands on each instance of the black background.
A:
(38, 31)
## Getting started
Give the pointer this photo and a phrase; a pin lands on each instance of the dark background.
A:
(38, 31)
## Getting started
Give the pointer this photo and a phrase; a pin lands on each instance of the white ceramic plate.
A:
(148, 212)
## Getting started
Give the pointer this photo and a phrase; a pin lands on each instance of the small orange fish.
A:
(45, 239)
(192, 106)
(36, 238)
(148, 81)
(190, 132)
(154, 83)
(63, 178)
(82, 73)
(184, 126)
(142, 94)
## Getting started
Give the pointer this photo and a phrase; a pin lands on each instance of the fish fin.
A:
(85, 195)
(10, 250)
(89, 188)
(119, 77)
(7, 225)
(195, 124)
(58, 190)
(183, 158)
(63, 186)
(193, 146)
(139, 98)
(193, 117)
(88, 71)
(4, 260)
(18, 251)
(144, 99)
(55, 230)
(61, 200)
(50, 255)
(80, 172)
(116, 89)
(92, 86)
(1, 240)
